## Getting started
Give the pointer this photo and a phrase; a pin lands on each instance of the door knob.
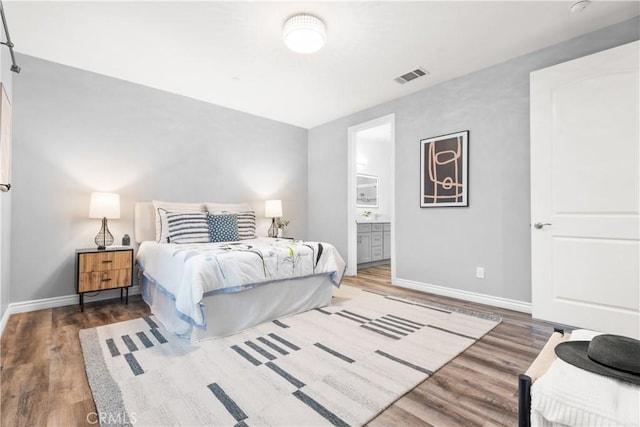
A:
(540, 225)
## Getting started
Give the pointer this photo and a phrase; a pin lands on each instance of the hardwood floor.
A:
(43, 381)
(480, 386)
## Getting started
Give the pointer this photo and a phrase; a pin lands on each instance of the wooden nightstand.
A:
(99, 270)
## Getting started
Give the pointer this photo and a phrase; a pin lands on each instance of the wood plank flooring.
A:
(43, 381)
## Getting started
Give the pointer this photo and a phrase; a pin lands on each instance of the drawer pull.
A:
(107, 261)
(105, 280)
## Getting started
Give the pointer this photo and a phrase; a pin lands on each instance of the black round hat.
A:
(613, 356)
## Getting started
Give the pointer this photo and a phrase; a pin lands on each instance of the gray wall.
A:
(76, 132)
(6, 77)
(443, 246)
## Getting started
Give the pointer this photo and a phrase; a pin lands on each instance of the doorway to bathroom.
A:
(371, 204)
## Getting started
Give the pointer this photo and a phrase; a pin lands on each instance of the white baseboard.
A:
(4, 320)
(509, 304)
(44, 303)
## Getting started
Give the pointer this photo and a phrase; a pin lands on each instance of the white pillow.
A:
(226, 207)
(162, 231)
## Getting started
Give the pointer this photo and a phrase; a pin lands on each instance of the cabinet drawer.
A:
(387, 226)
(376, 227)
(98, 280)
(376, 253)
(364, 228)
(376, 238)
(104, 261)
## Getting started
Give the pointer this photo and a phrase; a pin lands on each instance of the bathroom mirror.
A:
(367, 191)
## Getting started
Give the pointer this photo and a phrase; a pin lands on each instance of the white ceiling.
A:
(231, 53)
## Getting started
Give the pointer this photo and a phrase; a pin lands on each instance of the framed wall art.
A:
(444, 166)
(367, 191)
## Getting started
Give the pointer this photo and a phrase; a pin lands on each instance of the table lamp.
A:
(273, 210)
(104, 205)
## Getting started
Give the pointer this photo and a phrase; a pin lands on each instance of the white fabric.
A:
(569, 396)
(162, 231)
(227, 314)
(190, 271)
(227, 207)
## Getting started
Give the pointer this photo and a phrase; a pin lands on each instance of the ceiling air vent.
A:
(411, 75)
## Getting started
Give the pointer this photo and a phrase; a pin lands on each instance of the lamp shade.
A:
(104, 205)
(304, 33)
(272, 208)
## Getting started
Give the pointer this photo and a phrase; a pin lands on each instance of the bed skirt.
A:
(227, 314)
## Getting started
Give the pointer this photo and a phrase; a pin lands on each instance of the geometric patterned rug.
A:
(339, 365)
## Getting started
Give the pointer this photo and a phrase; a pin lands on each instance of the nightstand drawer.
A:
(102, 269)
(99, 280)
(105, 261)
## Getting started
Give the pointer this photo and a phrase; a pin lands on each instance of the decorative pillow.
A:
(188, 227)
(246, 225)
(223, 228)
(216, 208)
(162, 232)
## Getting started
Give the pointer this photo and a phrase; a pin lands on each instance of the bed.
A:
(553, 393)
(210, 290)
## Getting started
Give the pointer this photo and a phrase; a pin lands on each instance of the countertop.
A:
(373, 221)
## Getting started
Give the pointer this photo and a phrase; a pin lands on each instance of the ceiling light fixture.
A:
(304, 33)
(579, 6)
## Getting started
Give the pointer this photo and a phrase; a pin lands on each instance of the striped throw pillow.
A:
(223, 228)
(161, 208)
(187, 227)
(246, 225)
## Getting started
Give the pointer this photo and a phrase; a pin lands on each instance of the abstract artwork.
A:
(444, 170)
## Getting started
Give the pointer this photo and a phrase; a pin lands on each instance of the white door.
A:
(585, 192)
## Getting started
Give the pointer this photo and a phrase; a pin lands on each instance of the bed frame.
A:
(227, 314)
(540, 364)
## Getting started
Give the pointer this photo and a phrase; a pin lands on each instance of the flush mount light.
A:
(579, 6)
(304, 33)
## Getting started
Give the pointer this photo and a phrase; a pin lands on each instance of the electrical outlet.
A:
(480, 272)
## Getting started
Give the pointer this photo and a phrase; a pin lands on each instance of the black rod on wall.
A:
(14, 66)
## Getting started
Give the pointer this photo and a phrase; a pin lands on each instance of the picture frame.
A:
(444, 166)
(367, 191)
(5, 140)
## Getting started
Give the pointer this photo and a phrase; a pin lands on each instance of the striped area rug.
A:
(340, 365)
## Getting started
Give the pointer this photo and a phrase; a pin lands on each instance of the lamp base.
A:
(273, 230)
(104, 237)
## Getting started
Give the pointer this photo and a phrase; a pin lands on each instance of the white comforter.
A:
(188, 272)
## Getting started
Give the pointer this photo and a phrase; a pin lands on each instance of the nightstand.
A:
(99, 270)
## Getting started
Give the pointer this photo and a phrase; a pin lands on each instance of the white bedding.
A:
(569, 396)
(188, 272)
